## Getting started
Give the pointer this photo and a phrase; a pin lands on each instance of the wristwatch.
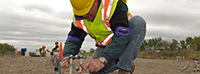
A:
(102, 60)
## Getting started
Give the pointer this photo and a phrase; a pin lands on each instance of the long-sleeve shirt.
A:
(55, 47)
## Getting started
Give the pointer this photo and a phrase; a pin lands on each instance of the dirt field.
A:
(36, 65)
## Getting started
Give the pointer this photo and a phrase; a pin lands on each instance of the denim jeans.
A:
(138, 31)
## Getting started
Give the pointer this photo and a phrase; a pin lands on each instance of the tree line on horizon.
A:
(158, 44)
(148, 44)
(5, 47)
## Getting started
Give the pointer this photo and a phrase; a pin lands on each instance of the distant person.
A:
(55, 49)
(117, 33)
(42, 50)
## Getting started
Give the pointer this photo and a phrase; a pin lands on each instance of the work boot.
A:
(121, 71)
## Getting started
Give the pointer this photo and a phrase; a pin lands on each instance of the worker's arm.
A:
(120, 27)
(74, 41)
(55, 47)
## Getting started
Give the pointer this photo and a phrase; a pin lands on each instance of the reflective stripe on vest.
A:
(81, 24)
(129, 16)
(106, 11)
(106, 40)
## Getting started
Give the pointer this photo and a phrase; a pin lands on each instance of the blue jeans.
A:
(138, 30)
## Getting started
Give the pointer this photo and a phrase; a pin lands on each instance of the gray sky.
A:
(33, 23)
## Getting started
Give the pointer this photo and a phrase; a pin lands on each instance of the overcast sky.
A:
(33, 23)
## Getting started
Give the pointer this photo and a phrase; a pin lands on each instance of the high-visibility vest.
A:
(42, 50)
(58, 49)
(100, 28)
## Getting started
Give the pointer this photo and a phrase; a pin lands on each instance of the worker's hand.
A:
(65, 62)
(94, 65)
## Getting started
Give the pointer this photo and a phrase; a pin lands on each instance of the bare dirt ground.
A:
(36, 65)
